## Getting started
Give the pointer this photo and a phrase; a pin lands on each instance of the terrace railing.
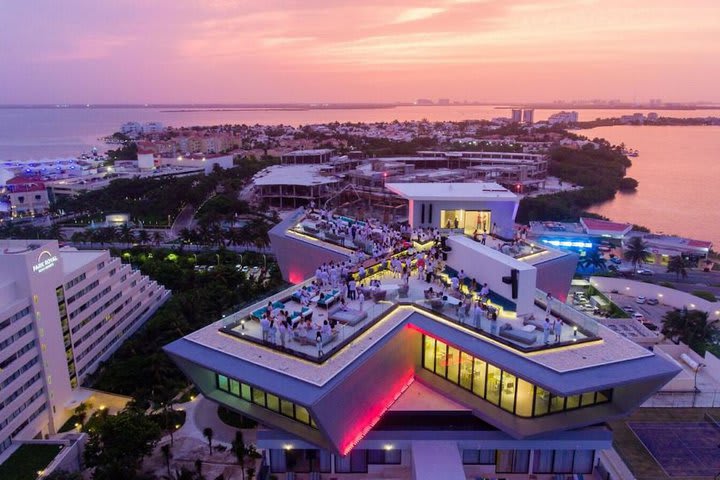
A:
(684, 400)
(584, 322)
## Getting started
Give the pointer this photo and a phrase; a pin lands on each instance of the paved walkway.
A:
(202, 413)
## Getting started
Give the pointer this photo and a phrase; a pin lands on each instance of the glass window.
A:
(223, 383)
(440, 358)
(557, 403)
(354, 462)
(277, 460)
(301, 414)
(573, 401)
(384, 457)
(258, 396)
(470, 457)
(493, 384)
(287, 408)
(273, 402)
(543, 461)
(512, 461)
(563, 461)
(542, 401)
(603, 396)
(466, 366)
(524, 401)
(509, 385)
(325, 461)
(583, 461)
(429, 359)
(235, 387)
(587, 399)
(479, 372)
(245, 392)
(486, 457)
(453, 363)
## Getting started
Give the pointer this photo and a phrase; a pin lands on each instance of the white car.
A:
(640, 299)
(638, 316)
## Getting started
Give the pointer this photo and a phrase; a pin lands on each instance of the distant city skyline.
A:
(194, 51)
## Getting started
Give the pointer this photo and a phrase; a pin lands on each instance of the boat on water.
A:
(631, 153)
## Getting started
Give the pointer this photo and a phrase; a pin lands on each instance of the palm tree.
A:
(636, 251)
(143, 237)
(593, 260)
(678, 266)
(208, 433)
(126, 234)
(158, 237)
(167, 455)
(691, 327)
(240, 451)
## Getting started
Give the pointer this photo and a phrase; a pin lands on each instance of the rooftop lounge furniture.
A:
(327, 299)
(527, 338)
(379, 295)
(257, 314)
(304, 314)
(403, 291)
(347, 317)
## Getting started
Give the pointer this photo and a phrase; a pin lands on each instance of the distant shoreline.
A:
(230, 107)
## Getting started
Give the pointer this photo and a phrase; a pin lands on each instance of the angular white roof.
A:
(452, 191)
(305, 175)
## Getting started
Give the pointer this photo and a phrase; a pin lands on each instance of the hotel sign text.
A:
(45, 261)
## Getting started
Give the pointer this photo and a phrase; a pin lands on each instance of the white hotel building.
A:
(62, 312)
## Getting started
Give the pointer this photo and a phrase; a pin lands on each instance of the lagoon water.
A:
(678, 168)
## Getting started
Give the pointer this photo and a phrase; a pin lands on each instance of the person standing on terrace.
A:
(265, 326)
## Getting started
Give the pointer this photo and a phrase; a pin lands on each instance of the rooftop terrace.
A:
(240, 334)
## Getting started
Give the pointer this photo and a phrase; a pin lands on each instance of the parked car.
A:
(638, 316)
(644, 271)
(640, 299)
(650, 326)
(652, 301)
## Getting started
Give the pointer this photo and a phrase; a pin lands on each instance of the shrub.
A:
(709, 296)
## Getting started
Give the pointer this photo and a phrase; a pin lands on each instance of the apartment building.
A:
(62, 312)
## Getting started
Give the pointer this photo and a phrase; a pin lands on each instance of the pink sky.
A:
(137, 51)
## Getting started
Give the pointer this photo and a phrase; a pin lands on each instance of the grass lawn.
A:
(27, 461)
(633, 452)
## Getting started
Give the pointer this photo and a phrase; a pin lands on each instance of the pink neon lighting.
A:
(377, 411)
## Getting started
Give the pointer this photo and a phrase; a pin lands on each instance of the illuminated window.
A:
(502, 388)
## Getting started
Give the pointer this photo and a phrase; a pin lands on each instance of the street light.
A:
(697, 370)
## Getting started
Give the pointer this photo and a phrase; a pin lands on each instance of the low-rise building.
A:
(27, 196)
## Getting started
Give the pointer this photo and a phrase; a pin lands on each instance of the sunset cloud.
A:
(379, 50)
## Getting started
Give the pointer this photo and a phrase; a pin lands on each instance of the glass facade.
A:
(264, 399)
(511, 393)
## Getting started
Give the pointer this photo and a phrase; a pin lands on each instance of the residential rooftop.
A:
(451, 191)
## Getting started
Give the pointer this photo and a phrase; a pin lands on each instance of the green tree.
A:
(117, 443)
(678, 265)
(691, 327)
(208, 433)
(636, 251)
(593, 260)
